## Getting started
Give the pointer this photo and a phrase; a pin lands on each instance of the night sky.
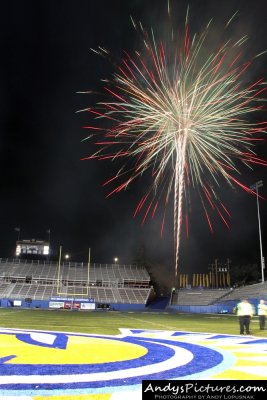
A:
(45, 61)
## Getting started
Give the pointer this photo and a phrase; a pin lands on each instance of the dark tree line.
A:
(243, 274)
(162, 276)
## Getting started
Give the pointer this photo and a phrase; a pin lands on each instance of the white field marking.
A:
(180, 357)
(134, 395)
(166, 327)
(16, 398)
(175, 329)
(43, 337)
(260, 371)
(41, 329)
(257, 349)
(8, 313)
(56, 329)
(17, 330)
(259, 359)
(148, 333)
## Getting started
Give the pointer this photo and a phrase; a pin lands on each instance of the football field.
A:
(109, 322)
(105, 355)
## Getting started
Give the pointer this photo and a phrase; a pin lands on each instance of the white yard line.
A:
(13, 312)
(166, 327)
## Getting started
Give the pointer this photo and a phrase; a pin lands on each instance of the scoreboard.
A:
(32, 247)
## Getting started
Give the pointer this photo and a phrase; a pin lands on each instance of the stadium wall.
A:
(6, 303)
(213, 309)
(24, 304)
(219, 308)
(127, 307)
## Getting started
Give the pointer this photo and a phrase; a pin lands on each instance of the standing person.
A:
(244, 311)
(262, 312)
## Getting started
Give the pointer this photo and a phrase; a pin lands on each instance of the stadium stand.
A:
(198, 297)
(204, 300)
(108, 285)
(42, 280)
(258, 290)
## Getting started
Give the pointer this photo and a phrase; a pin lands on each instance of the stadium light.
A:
(67, 256)
(18, 250)
(116, 260)
(46, 250)
(255, 187)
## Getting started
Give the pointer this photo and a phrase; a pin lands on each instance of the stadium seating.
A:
(21, 279)
(206, 297)
(258, 290)
(198, 297)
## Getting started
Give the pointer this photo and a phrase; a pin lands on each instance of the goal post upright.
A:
(59, 268)
(59, 292)
(89, 263)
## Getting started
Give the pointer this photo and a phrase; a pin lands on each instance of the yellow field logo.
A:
(35, 363)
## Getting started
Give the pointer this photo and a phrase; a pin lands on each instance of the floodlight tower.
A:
(255, 187)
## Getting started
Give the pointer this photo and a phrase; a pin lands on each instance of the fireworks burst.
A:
(184, 118)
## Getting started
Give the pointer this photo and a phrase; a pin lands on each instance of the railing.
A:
(18, 261)
(42, 271)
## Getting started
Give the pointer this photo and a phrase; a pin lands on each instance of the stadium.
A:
(175, 112)
(96, 331)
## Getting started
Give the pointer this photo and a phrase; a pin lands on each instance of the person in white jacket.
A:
(245, 311)
(262, 312)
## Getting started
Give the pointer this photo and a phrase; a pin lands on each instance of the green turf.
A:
(108, 323)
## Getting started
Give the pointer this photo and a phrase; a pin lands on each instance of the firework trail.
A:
(182, 116)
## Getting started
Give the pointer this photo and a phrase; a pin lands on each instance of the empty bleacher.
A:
(206, 297)
(4, 288)
(195, 297)
(73, 271)
(40, 280)
(101, 294)
(258, 290)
